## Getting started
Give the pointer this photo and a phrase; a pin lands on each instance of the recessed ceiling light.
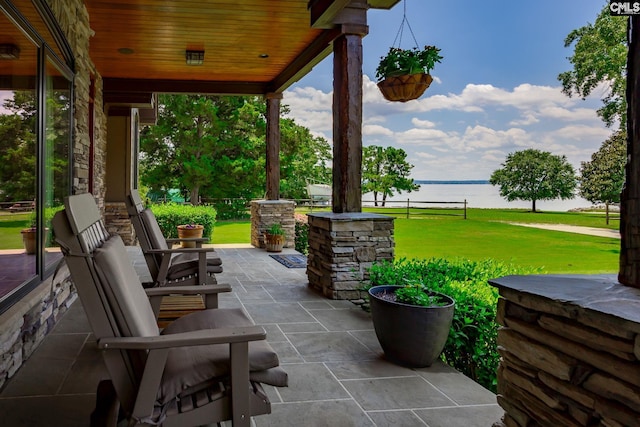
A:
(125, 50)
(9, 51)
(195, 57)
(263, 55)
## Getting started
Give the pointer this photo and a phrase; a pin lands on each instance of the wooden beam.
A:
(184, 86)
(382, 4)
(273, 146)
(135, 100)
(347, 124)
(323, 12)
(304, 63)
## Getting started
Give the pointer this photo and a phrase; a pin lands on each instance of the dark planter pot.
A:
(410, 335)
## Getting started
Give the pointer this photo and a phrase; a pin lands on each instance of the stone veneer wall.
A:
(117, 221)
(265, 213)
(570, 351)
(73, 17)
(341, 249)
(25, 325)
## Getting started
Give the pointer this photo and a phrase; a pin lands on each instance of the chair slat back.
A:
(136, 209)
(80, 231)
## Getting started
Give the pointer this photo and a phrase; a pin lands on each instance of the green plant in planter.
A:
(418, 294)
(275, 230)
(399, 62)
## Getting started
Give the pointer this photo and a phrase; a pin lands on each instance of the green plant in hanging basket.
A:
(403, 74)
(407, 61)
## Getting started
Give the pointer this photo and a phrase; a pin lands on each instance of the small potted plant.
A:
(274, 238)
(411, 322)
(403, 74)
(190, 231)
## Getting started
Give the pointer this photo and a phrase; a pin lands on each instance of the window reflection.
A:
(57, 139)
(35, 146)
(18, 119)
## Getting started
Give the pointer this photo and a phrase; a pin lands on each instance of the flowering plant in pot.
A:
(190, 231)
(403, 74)
(274, 238)
(411, 322)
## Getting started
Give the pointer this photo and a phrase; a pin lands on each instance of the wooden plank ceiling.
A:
(251, 46)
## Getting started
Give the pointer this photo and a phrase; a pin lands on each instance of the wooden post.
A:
(347, 123)
(629, 273)
(273, 146)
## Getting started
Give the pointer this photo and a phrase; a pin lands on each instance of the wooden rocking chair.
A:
(205, 367)
(168, 265)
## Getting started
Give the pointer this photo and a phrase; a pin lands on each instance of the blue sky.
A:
(495, 92)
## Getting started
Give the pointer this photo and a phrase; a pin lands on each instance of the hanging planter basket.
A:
(403, 74)
(404, 88)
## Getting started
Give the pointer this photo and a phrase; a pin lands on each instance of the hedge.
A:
(170, 215)
(471, 347)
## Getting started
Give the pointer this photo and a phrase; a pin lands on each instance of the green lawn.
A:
(487, 234)
(232, 232)
(556, 252)
(437, 233)
(10, 226)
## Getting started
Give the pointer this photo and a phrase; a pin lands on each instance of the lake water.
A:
(477, 196)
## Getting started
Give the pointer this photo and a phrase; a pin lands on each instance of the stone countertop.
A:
(599, 293)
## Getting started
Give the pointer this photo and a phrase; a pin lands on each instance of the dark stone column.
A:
(273, 145)
(347, 121)
(629, 273)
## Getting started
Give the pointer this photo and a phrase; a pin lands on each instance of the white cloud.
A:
(425, 124)
(527, 119)
(376, 130)
(445, 137)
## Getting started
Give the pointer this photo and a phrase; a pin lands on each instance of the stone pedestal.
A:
(570, 351)
(342, 246)
(265, 213)
(116, 219)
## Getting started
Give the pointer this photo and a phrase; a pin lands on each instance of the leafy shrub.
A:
(231, 209)
(471, 347)
(302, 234)
(170, 215)
(49, 213)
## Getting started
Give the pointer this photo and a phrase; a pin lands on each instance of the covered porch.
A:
(337, 373)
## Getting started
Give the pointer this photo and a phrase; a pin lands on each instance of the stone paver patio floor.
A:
(337, 373)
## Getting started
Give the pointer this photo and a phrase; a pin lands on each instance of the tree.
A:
(18, 147)
(602, 178)
(600, 56)
(535, 175)
(214, 146)
(303, 158)
(192, 147)
(385, 170)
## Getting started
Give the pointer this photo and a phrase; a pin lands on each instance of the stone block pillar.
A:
(265, 213)
(116, 219)
(570, 351)
(341, 249)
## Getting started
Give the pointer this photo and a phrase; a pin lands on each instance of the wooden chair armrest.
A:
(180, 250)
(188, 290)
(185, 339)
(187, 239)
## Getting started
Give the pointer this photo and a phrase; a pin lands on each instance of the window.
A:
(35, 146)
